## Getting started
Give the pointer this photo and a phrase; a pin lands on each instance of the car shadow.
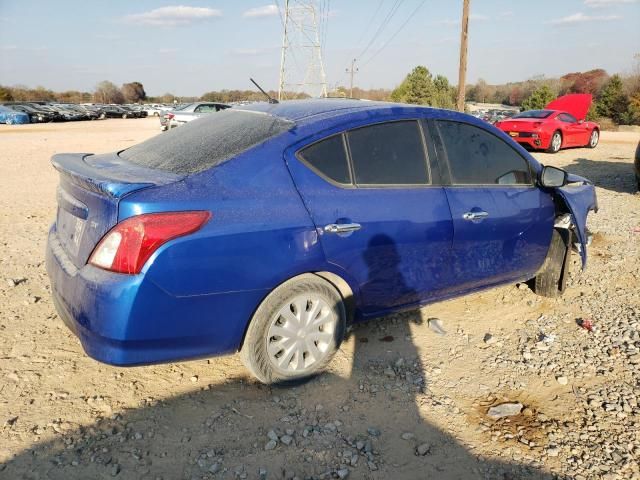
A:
(615, 176)
(370, 420)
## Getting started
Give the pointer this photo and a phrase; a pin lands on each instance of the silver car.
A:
(178, 117)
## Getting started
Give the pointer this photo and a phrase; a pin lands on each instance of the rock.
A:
(562, 380)
(286, 439)
(553, 451)
(435, 325)
(343, 473)
(214, 468)
(262, 473)
(489, 339)
(271, 444)
(407, 436)
(194, 379)
(423, 449)
(272, 435)
(115, 470)
(374, 432)
(505, 410)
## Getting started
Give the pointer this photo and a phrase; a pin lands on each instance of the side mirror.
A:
(552, 177)
(580, 122)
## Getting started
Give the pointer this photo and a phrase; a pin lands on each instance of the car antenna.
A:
(271, 100)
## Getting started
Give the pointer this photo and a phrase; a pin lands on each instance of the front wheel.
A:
(594, 138)
(295, 331)
(556, 143)
(549, 282)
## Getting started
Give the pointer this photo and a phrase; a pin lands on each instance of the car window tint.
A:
(211, 140)
(389, 154)
(565, 117)
(329, 158)
(477, 157)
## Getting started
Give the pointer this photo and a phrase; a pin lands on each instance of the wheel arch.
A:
(335, 280)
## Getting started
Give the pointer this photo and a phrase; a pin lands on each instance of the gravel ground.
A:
(400, 401)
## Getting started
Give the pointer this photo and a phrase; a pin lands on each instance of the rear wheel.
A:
(548, 282)
(295, 331)
(556, 142)
(594, 138)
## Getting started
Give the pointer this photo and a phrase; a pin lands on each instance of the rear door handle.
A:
(475, 215)
(342, 227)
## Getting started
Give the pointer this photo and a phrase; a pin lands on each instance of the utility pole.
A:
(351, 71)
(464, 37)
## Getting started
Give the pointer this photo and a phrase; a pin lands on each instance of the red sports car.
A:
(561, 124)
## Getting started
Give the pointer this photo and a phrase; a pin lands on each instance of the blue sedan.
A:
(12, 117)
(266, 229)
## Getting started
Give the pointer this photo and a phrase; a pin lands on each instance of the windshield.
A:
(206, 142)
(534, 114)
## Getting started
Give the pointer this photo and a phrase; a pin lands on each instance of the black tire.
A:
(553, 146)
(549, 280)
(593, 142)
(254, 353)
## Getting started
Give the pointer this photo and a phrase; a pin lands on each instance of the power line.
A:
(395, 34)
(382, 26)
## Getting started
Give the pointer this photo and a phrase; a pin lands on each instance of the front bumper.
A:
(128, 320)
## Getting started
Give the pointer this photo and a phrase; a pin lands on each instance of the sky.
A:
(188, 47)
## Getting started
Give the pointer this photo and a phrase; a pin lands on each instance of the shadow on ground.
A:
(367, 421)
(615, 176)
(226, 425)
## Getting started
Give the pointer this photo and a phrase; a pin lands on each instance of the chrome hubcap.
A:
(556, 142)
(301, 333)
(594, 138)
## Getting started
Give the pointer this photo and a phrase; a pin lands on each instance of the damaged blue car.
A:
(266, 229)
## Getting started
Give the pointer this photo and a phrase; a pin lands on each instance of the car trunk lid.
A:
(577, 104)
(88, 194)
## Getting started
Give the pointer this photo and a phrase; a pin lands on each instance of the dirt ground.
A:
(400, 401)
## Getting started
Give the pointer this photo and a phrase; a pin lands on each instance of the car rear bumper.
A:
(128, 320)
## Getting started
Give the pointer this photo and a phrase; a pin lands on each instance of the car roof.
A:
(302, 110)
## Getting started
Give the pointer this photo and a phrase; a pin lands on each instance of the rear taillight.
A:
(128, 245)
(169, 116)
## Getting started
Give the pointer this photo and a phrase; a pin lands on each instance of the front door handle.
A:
(342, 227)
(475, 215)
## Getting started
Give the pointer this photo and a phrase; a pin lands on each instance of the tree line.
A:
(617, 97)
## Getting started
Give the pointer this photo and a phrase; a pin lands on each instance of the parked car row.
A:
(41, 112)
(493, 115)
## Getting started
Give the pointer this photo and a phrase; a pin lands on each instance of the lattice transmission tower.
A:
(301, 67)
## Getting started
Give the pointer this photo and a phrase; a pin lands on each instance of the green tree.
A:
(538, 99)
(613, 102)
(420, 88)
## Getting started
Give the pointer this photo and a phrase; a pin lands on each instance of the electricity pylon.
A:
(301, 67)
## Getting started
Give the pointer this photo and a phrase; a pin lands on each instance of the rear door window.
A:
(389, 154)
(329, 158)
(477, 157)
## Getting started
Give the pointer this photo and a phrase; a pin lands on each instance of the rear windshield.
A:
(206, 142)
(534, 114)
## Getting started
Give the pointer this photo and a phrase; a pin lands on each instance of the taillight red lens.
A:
(169, 116)
(128, 245)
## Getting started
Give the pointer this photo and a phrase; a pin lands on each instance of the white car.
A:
(193, 111)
